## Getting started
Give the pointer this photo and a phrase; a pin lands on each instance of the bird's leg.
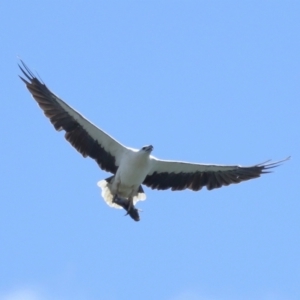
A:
(130, 205)
(116, 193)
(131, 210)
(130, 201)
(115, 198)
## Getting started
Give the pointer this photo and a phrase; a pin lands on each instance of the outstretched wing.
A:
(84, 136)
(181, 175)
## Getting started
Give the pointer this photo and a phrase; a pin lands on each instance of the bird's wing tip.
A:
(26, 71)
(269, 164)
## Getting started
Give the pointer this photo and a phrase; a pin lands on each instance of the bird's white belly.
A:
(131, 173)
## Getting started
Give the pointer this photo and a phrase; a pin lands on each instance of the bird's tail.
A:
(107, 195)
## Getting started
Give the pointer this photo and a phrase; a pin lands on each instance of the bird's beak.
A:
(150, 148)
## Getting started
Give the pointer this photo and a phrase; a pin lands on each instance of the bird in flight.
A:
(132, 168)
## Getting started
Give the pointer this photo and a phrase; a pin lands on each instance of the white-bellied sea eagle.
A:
(131, 168)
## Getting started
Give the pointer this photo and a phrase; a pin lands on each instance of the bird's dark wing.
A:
(85, 137)
(181, 175)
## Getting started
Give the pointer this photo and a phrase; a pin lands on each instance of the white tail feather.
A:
(108, 196)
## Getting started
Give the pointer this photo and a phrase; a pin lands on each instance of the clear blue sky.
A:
(202, 81)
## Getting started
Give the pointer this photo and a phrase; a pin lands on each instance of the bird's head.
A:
(147, 149)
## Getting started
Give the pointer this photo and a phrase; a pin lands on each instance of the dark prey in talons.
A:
(131, 210)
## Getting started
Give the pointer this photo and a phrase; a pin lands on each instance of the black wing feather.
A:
(78, 137)
(210, 179)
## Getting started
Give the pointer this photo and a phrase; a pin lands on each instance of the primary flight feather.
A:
(131, 167)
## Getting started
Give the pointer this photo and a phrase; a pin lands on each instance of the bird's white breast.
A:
(133, 168)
